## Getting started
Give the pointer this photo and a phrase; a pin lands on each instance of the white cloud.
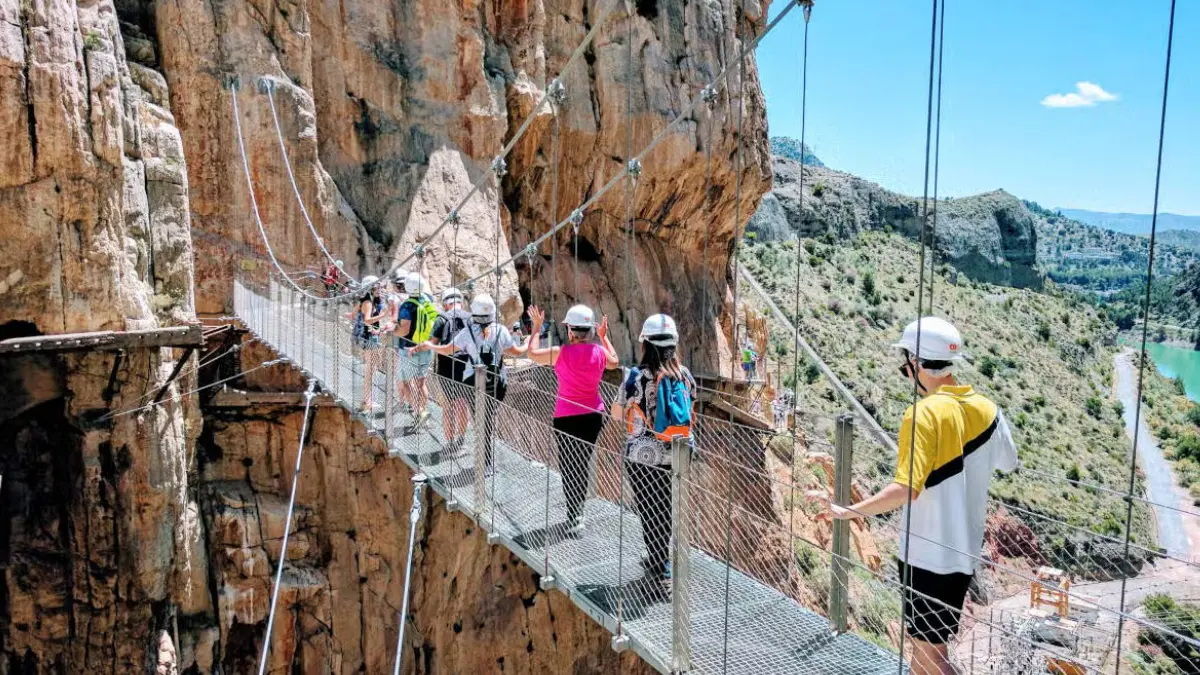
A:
(1086, 95)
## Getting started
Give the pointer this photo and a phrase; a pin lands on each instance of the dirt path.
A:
(1178, 531)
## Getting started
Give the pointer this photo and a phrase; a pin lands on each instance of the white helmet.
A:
(400, 276)
(338, 264)
(414, 285)
(940, 340)
(660, 331)
(483, 309)
(368, 281)
(451, 294)
(580, 316)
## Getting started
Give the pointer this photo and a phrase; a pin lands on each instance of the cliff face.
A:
(98, 525)
(989, 237)
(145, 541)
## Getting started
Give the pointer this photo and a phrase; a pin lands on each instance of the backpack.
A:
(427, 313)
(673, 415)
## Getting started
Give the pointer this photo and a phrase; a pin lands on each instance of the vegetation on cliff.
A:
(1045, 357)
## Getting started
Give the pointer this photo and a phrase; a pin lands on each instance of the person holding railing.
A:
(451, 369)
(414, 325)
(578, 407)
(486, 342)
(951, 442)
(366, 316)
(656, 402)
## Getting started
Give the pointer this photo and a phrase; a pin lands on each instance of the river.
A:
(1178, 362)
(1160, 479)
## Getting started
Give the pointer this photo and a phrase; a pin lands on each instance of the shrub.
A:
(812, 373)
(988, 366)
(1043, 331)
(1094, 406)
(1188, 447)
(1180, 387)
(1193, 415)
(818, 189)
(1119, 408)
(868, 284)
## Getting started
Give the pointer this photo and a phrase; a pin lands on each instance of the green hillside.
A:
(1045, 357)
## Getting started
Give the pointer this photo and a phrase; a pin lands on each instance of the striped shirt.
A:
(961, 439)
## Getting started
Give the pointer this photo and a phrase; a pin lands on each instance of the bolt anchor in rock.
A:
(499, 167)
(634, 169)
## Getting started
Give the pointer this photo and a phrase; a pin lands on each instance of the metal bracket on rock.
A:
(530, 251)
(548, 582)
(499, 167)
(709, 96)
(453, 218)
(556, 93)
(419, 251)
(266, 85)
(634, 169)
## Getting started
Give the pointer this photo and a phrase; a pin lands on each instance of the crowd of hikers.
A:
(398, 324)
(951, 441)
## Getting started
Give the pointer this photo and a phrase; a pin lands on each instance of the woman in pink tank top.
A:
(578, 409)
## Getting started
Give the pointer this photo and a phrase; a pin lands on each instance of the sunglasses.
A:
(580, 330)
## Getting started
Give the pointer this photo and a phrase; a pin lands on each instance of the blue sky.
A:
(868, 74)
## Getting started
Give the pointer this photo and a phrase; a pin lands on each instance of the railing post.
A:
(840, 567)
(681, 646)
(389, 393)
(480, 438)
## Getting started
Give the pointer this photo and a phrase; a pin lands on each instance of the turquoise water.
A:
(1178, 362)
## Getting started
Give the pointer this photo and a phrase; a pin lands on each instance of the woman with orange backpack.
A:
(656, 402)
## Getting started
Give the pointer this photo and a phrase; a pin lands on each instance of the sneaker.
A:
(576, 526)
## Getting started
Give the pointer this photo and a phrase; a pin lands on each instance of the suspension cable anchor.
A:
(548, 582)
(808, 5)
(499, 167)
(576, 219)
(470, 285)
(266, 85)
(530, 251)
(453, 218)
(556, 93)
(634, 168)
(419, 251)
(709, 96)
(619, 643)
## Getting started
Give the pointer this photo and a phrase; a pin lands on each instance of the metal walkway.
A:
(730, 620)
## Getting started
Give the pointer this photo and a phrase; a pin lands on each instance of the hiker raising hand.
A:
(578, 408)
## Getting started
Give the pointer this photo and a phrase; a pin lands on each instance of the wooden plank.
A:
(175, 336)
(233, 398)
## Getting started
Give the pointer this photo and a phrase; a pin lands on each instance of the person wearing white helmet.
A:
(451, 369)
(486, 342)
(951, 442)
(655, 401)
(578, 408)
(367, 315)
(414, 324)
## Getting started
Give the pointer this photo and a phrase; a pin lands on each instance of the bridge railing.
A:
(758, 582)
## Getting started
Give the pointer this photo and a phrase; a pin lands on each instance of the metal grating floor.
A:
(763, 632)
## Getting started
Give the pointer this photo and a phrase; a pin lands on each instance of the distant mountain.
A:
(1181, 238)
(1133, 223)
(784, 146)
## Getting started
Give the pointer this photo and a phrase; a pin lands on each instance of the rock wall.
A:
(143, 541)
(98, 521)
(990, 237)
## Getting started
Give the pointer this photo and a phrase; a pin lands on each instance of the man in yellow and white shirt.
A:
(951, 442)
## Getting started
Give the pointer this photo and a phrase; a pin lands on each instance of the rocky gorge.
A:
(144, 542)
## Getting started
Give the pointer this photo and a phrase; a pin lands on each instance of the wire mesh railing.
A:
(717, 561)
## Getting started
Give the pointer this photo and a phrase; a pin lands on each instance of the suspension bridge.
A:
(740, 598)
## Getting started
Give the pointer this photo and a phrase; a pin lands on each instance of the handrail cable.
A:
(179, 397)
(683, 115)
(1137, 413)
(287, 164)
(906, 577)
(287, 528)
(452, 216)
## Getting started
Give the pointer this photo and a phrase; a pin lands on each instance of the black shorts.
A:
(933, 607)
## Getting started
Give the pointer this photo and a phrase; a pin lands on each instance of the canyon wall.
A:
(144, 541)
